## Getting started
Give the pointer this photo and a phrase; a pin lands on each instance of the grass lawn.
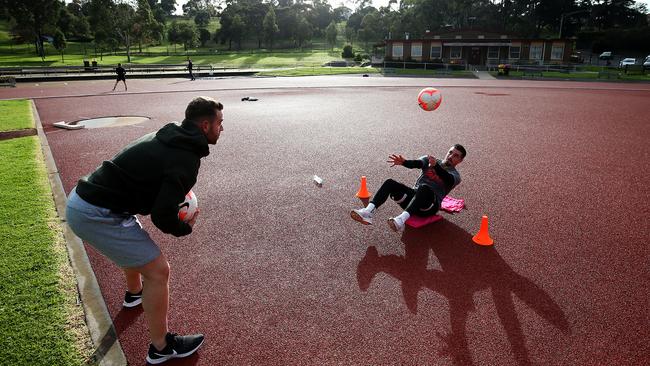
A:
(586, 75)
(16, 115)
(16, 55)
(311, 71)
(40, 320)
(229, 59)
(419, 72)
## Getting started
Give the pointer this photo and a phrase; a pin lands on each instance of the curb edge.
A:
(100, 325)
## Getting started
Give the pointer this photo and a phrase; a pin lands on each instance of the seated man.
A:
(437, 179)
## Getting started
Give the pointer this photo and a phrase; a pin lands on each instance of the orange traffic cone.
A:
(483, 237)
(363, 191)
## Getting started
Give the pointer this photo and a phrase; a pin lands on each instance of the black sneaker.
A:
(132, 300)
(177, 347)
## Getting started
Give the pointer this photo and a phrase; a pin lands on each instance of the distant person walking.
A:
(189, 68)
(121, 75)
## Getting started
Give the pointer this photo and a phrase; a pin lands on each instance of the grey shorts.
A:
(120, 237)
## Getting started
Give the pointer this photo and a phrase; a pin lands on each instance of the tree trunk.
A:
(128, 49)
(62, 60)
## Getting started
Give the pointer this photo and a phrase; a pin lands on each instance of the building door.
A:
(475, 56)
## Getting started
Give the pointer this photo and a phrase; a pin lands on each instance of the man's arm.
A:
(164, 213)
(446, 177)
(400, 160)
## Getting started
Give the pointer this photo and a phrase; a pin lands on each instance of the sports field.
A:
(277, 273)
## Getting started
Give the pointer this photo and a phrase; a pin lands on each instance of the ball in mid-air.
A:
(429, 99)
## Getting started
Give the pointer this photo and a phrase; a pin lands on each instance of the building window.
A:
(398, 50)
(436, 52)
(557, 52)
(481, 37)
(416, 50)
(536, 52)
(493, 52)
(514, 52)
(456, 52)
(458, 37)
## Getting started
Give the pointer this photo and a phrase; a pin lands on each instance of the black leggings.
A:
(420, 202)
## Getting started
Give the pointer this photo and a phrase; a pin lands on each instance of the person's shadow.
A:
(465, 269)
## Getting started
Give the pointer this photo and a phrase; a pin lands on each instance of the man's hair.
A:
(119, 64)
(201, 107)
(460, 148)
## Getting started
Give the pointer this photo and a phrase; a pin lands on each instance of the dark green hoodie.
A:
(150, 176)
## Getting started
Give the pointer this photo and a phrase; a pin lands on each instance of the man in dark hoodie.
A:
(148, 177)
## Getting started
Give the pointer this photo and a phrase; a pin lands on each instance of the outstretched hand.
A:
(396, 160)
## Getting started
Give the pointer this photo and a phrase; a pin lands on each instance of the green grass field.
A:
(433, 73)
(40, 320)
(314, 71)
(15, 55)
(16, 115)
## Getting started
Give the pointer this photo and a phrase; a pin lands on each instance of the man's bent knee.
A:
(156, 270)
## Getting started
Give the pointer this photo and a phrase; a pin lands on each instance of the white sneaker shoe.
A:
(396, 224)
(362, 215)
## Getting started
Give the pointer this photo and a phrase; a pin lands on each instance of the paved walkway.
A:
(484, 75)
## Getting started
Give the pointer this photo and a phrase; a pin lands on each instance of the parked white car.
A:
(627, 61)
(646, 63)
(607, 55)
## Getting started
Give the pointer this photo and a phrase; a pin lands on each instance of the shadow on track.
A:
(465, 269)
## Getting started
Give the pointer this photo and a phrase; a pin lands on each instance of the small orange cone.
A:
(483, 237)
(363, 191)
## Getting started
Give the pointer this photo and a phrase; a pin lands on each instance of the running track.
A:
(276, 273)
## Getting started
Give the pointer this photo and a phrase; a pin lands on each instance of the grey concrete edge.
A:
(98, 319)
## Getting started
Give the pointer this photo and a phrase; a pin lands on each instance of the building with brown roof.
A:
(478, 48)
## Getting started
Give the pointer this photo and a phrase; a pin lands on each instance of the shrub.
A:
(10, 80)
(347, 51)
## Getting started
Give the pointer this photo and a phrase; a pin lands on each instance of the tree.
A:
(330, 34)
(188, 35)
(253, 13)
(303, 31)
(124, 20)
(168, 6)
(33, 18)
(270, 27)
(320, 16)
(232, 25)
(202, 18)
(371, 27)
(237, 29)
(145, 27)
(59, 42)
(350, 35)
(192, 7)
(101, 18)
(173, 34)
(204, 36)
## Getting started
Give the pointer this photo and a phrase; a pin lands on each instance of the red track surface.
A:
(277, 273)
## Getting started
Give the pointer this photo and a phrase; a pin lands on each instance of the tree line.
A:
(112, 24)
